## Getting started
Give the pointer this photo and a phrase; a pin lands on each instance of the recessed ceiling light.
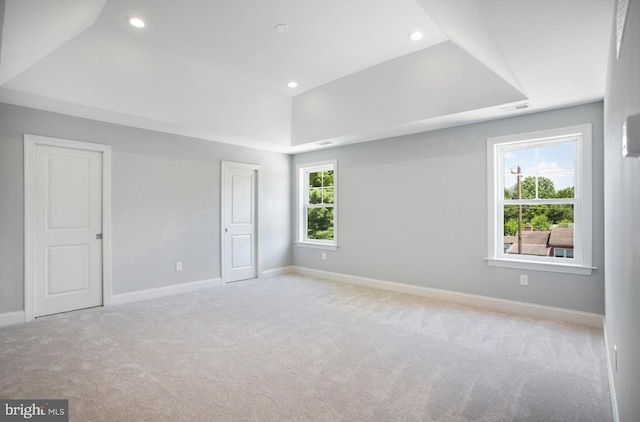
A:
(281, 28)
(415, 36)
(137, 22)
(292, 84)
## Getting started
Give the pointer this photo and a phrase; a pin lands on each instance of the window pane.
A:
(327, 178)
(544, 228)
(315, 179)
(315, 195)
(327, 197)
(320, 223)
(512, 159)
(557, 163)
(545, 172)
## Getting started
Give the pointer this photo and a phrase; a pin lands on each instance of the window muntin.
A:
(539, 187)
(317, 215)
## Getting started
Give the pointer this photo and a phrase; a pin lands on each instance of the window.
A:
(317, 212)
(563, 253)
(539, 188)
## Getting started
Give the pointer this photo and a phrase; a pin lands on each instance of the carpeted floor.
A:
(293, 348)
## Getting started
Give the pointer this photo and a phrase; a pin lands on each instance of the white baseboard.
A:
(10, 318)
(610, 369)
(277, 271)
(503, 305)
(164, 291)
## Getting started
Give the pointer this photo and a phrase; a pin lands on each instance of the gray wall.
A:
(166, 201)
(622, 218)
(414, 210)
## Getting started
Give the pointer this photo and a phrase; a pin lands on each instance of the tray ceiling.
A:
(218, 69)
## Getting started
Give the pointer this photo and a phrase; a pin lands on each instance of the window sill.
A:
(540, 266)
(316, 246)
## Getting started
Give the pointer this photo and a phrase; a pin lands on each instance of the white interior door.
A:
(67, 267)
(239, 223)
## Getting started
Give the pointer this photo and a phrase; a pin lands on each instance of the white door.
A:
(239, 222)
(67, 267)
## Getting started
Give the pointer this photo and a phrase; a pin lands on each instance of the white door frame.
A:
(30, 143)
(225, 165)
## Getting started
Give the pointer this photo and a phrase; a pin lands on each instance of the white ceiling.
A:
(217, 69)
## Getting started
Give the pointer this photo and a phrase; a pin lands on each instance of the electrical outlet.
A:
(524, 280)
(178, 266)
(324, 256)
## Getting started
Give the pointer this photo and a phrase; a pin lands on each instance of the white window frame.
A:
(302, 172)
(582, 261)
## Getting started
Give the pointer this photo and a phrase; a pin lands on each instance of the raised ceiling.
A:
(218, 69)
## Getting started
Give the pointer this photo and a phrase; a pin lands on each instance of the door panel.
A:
(241, 256)
(68, 220)
(241, 198)
(239, 222)
(68, 192)
(68, 269)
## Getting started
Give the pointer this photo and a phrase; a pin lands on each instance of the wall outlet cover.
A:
(524, 280)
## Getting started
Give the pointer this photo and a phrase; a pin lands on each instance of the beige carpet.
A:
(292, 348)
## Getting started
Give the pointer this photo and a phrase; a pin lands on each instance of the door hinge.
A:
(99, 236)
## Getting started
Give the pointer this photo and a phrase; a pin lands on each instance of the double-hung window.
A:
(539, 214)
(317, 205)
